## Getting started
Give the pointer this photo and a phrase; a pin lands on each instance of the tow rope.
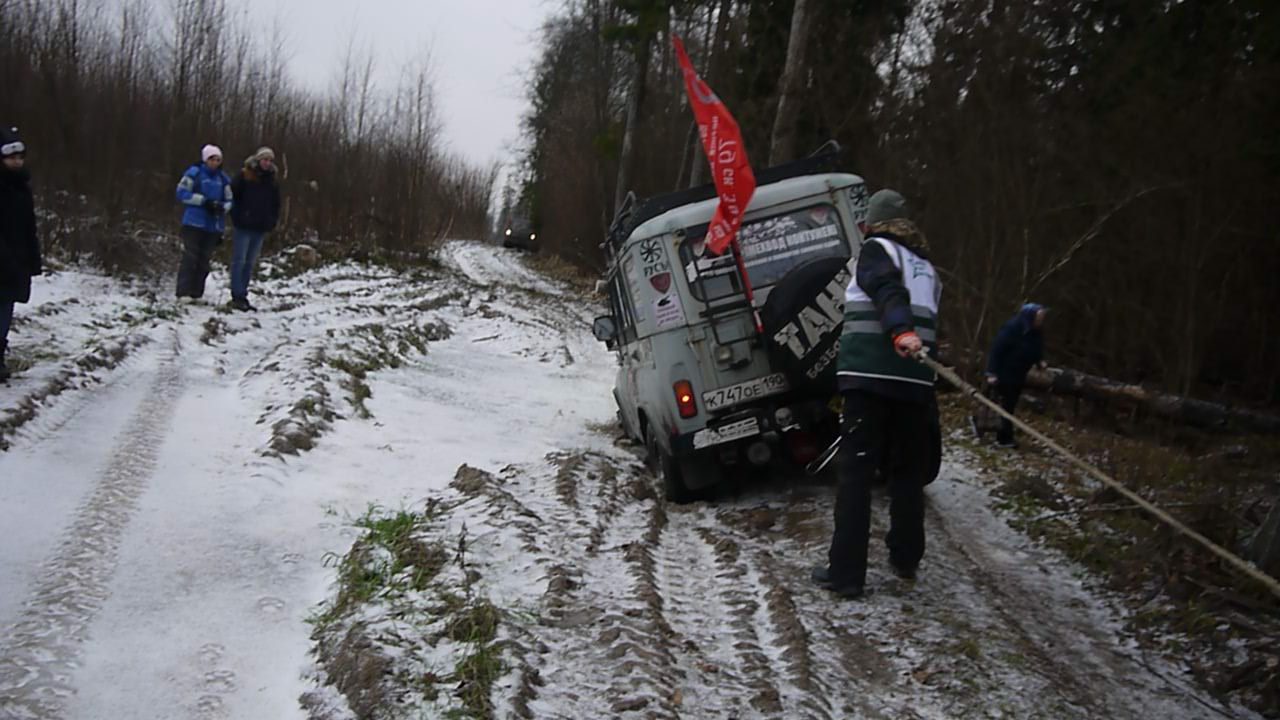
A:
(1236, 561)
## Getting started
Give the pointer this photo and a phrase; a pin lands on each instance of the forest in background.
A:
(1118, 162)
(115, 100)
(1115, 161)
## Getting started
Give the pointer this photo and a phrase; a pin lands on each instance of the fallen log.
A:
(1198, 413)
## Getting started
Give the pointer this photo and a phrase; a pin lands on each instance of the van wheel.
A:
(671, 473)
(651, 458)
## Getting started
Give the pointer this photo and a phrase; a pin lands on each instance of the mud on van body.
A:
(705, 392)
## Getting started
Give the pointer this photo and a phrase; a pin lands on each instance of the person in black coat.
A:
(1018, 347)
(19, 248)
(255, 209)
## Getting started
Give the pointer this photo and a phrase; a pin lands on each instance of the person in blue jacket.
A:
(1018, 347)
(205, 193)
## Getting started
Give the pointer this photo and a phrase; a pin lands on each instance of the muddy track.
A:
(39, 654)
(716, 617)
(91, 367)
(1084, 673)
(700, 626)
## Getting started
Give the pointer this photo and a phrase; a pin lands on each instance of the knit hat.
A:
(9, 142)
(886, 205)
(209, 151)
(264, 152)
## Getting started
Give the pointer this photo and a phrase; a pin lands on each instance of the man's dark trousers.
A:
(875, 429)
(193, 269)
(1009, 394)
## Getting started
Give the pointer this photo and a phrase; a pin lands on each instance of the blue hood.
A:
(1027, 317)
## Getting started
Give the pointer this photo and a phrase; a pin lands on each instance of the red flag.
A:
(735, 183)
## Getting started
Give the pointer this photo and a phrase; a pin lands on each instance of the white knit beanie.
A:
(209, 151)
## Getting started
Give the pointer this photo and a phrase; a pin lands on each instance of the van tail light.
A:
(684, 399)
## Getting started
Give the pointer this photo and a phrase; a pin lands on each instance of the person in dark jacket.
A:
(1018, 347)
(205, 193)
(890, 418)
(255, 211)
(19, 248)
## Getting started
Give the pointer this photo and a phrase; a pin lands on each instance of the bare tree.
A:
(780, 144)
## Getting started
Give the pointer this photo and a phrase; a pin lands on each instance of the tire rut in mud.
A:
(1080, 673)
(39, 654)
(663, 612)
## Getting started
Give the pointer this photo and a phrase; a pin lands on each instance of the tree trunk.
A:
(1181, 409)
(783, 137)
(626, 161)
(1264, 548)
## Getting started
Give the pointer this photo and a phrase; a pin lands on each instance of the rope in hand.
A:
(1236, 561)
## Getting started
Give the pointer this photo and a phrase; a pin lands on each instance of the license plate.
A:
(731, 395)
(726, 433)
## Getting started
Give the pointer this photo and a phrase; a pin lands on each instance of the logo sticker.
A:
(649, 251)
(661, 282)
(667, 311)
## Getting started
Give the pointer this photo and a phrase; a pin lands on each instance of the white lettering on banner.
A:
(803, 333)
(759, 247)
(791, 253)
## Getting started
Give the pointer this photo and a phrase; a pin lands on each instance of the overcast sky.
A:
(481, 51)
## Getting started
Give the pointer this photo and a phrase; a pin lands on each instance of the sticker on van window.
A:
(667, 311)
(772, 247)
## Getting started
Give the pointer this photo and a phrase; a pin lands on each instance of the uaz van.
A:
(701, 384)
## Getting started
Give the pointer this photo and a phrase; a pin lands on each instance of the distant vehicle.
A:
(518, 232)
(697, 384)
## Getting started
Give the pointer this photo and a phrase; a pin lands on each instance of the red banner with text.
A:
(735, 183)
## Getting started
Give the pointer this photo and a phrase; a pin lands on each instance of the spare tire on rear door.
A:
(802, 321)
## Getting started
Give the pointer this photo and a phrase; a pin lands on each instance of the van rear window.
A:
(771, 247)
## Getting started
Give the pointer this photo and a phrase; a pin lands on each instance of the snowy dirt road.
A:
(178, 483)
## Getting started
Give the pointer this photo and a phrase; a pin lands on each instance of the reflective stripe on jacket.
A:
(198, 184)
(876, 305)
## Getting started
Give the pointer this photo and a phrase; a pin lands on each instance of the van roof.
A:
(765, 196)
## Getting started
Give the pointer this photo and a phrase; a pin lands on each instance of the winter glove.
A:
(907, 343)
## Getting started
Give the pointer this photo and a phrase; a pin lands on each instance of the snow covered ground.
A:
(179, 483)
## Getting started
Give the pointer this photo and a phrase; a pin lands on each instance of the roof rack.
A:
(633, 211)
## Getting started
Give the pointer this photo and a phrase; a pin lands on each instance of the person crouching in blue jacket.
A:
(1018, 347)
(205, 193)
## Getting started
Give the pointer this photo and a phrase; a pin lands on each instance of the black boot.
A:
(4, 369)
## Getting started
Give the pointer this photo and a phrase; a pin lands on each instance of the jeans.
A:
(878, 433)
(6, 320)
(245, 245)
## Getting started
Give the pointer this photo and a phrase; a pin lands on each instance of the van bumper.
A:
(740, 426)
(757, 423)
